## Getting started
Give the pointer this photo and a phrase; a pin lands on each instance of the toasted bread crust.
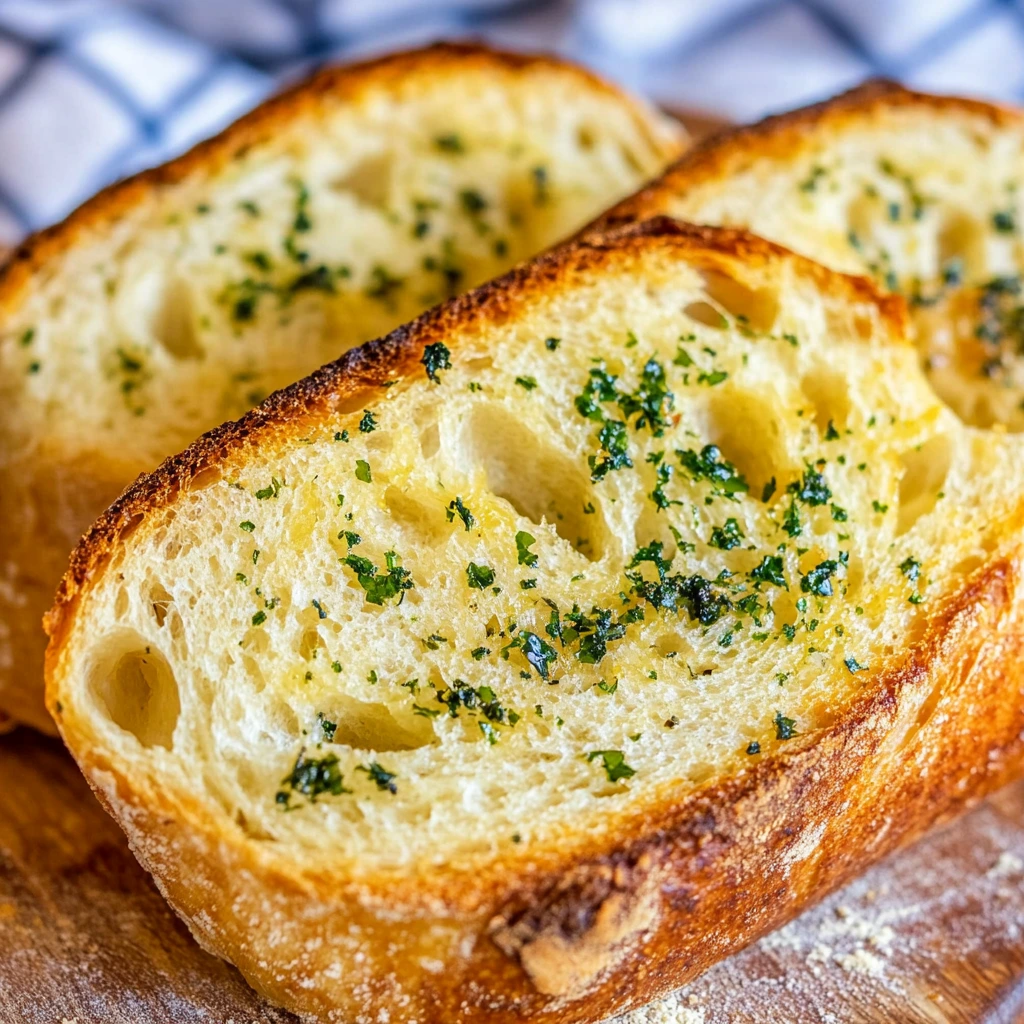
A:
(721, 154)
(682, 882)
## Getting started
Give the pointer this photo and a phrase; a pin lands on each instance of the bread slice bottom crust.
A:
(588, 927)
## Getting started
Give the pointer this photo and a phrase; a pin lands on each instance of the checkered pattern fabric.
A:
(91, 90)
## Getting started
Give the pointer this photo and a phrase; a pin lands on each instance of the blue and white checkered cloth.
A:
(91, 90)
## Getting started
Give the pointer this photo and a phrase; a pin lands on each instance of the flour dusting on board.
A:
(869, 947)
(673, 1010)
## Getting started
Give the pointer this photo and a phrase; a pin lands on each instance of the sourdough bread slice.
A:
(923, 193)
(328, 216)
(522, 664)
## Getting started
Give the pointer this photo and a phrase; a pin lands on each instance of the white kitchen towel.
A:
(91, 90)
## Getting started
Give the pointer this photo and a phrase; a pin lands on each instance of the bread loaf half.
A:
(182, 297)
(520, 665)
(923, 193)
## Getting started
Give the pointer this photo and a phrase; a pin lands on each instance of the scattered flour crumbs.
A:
(675, 1009)
(871, 937)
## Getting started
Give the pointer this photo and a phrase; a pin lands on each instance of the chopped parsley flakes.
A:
(785, 728)
(708, 464)
(456, 508)
(819, 579)
(380, 587)
(384, 780)
(436, 358)
(479, 577)
(614, 764)
(312, 778)
(270, 491)
(727, 536)
(524, 542)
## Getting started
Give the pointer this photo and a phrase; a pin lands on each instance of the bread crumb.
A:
(818, 956)
(857, 926)
(861, 961)
(665, 1011)
(1008, 864)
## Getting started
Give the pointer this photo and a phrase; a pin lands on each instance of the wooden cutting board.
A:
(935, 934)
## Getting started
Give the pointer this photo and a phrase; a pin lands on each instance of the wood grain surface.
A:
(935, 934)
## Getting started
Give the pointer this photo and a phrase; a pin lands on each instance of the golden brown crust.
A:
(332, 84)
(782, 136)
(679, 882)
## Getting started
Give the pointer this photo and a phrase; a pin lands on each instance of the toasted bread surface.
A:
(920, 192)
(520, 665)
(332, 213)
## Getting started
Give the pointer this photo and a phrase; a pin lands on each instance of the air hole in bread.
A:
(784, 611)
(364, 725)
(310, 643)
(650, 526)
(976, 399)
(478, 364)
(961, 244)
(380, 442)
(251, 829)
(924, 471)
(757, 308)
(966, 567)
(828, 394)
(749, 432)
(863, 215)
(540, 482)
(631, 160)
(421, 520)
(174, 323)
(206, 477)
(254, 672)
(430, 440)
(671, 645)
(840, 319)
(704, 313)
(369, 180)
(160, 601)
(585, 138)
(134, 683)
(854, 576)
